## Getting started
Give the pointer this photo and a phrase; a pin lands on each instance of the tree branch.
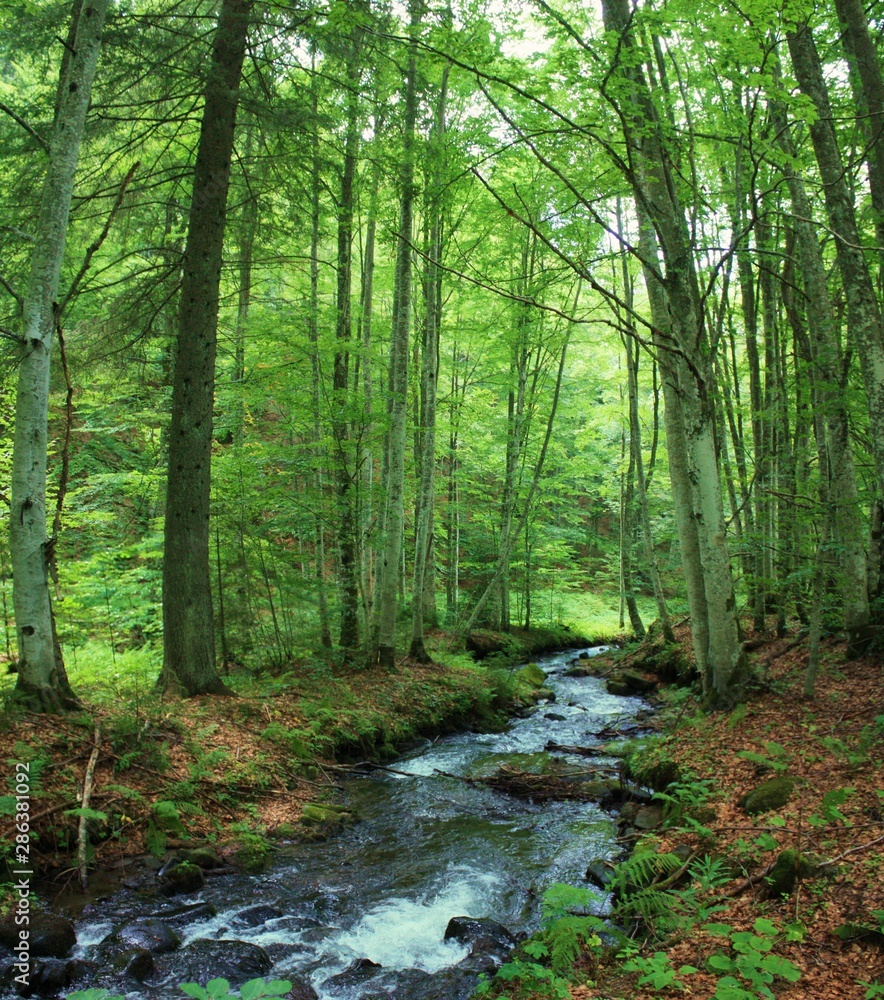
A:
(94, 248)
(28, 128)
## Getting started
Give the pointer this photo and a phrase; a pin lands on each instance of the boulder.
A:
(772, 794)
(532, 675)
(50, 936)
(189, 914)
(255, 916)
(149, 934)
(183, 878)
(136, 963)
(600, 873)
(617, 685)
(630, 682)
(203, 858)
(356, 974)
(323, 812)
(202, 960)
(639, 683)
(490, 942)
(50, 976)
(648, 818)
(301, 990)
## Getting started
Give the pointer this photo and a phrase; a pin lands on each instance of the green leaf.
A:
(95, 814)
(782, 967)
(722, 930)
(720, 963)
(218, 988)
(195, 990)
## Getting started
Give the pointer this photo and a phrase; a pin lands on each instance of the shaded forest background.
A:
(469, 253)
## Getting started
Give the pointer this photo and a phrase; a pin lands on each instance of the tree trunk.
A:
(395, 485)
(42, 682)
(423, 548)
(837, 473)
(345, 470)
(188, 633)
(655, 192)
(863, 314)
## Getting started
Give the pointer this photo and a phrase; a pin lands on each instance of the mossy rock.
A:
(651, 764)
(790, 868)
(182, 878)
(772, 794)
(639, 683)
(532, 675)
(617, 685)
(252, 855)
(203, 858)
(323, 812)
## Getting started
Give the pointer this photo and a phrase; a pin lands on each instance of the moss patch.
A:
(773, 794)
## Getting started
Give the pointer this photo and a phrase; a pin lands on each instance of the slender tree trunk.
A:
(642, 492)
(655, 192)
(676, 447)
(188, 633)
(863, 313)
(423, 549)
(839, 492)
(42, 682)
(395, 485)
(366, 467)
(503, 556)
(248, 230)
(325, 639)
(345, 471)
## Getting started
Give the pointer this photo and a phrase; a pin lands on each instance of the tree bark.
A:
(423, 549)
(42, 682)
(188, 632)
(345, 471)
(395, 485)
(655, 192)
(863, 313)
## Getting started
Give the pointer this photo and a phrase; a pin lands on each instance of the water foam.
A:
(409, 934)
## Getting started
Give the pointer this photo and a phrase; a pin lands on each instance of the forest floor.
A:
(830, 925)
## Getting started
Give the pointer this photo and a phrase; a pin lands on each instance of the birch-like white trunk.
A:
(41, 680)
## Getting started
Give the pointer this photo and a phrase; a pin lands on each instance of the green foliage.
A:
(642, 894)
(566, 930)
(830, 808)
(858, 753)
(686, 802)
(776, 759)
(657, 971)
(651, 763)
(873, 989)
(751, 968)
(94, 994)
(215, 989)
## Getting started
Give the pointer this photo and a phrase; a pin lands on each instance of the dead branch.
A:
(82, 835)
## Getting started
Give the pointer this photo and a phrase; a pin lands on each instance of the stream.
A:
(362, 916)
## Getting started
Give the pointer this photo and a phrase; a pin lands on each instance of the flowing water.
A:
(427, 847)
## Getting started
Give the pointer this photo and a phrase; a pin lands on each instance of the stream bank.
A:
(365, 913)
